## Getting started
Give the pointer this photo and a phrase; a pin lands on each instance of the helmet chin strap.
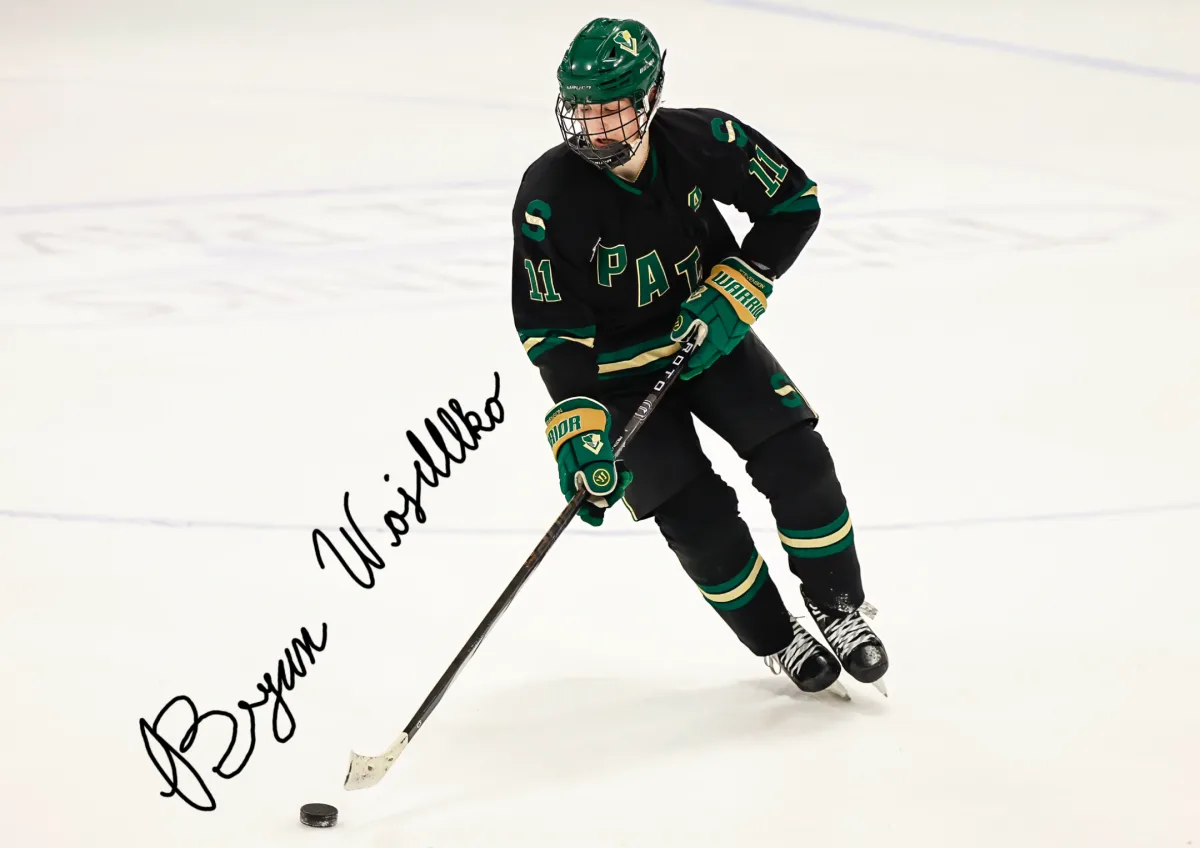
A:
(645, 116)
(648, 109)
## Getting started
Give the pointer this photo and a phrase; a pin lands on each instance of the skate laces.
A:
(800, 649)
(844, 632)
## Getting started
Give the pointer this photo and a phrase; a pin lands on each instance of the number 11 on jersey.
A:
(546, 290)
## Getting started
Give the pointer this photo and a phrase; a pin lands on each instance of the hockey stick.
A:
(366, 771)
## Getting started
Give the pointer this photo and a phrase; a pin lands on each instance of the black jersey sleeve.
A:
(553, 321)
(748, 171)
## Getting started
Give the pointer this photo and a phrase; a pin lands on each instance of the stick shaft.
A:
(647, 406)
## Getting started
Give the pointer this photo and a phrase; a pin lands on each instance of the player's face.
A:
(608, 123)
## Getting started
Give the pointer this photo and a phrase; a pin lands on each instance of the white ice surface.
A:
(245, 246)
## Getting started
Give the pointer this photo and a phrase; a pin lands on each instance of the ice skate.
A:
(858, 649)
(808, 663)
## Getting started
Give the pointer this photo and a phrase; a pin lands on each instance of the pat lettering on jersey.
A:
(648, 272)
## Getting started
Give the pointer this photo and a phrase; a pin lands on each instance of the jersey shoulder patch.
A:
(707, 126)
(550, 196)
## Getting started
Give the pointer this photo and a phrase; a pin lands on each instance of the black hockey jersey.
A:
(601, 265)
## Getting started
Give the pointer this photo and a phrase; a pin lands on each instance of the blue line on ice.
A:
(535, 532)
(233, 197)
(1096, 62)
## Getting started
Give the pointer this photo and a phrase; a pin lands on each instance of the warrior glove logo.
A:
(601, 478)
(557, 431)
(747, 301)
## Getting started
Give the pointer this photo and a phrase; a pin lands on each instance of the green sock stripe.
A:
(721, 588)
(828, 550)
(740, 590)
(747, 596)
(833, 538)
(827, 530)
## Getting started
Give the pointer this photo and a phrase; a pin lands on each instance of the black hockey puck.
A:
(318, 815)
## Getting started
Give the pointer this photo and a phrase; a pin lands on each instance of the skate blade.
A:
(837, 690)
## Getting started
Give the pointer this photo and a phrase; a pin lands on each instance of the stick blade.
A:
(364, 772)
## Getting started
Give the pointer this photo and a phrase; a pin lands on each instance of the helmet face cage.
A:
(622, 140)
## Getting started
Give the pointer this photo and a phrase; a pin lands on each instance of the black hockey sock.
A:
(750, 604)
(702, 526)
(795, 471)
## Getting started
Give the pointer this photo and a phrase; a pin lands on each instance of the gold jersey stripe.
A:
(641, 359)
(535, 341)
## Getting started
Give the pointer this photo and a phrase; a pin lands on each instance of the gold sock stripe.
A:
(740, 589)
(821, 541)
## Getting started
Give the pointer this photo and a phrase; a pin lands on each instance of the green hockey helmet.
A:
(608, 61)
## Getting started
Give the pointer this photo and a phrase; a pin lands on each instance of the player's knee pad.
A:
(795, 471)
(702, 526)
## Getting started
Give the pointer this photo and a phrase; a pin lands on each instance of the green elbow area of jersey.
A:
(804, 200)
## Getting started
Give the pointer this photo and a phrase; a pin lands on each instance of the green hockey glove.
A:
(732, 298)
(577, 430)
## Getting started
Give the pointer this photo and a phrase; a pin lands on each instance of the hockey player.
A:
(618, 251)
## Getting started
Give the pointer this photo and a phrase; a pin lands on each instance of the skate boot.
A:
(857, 647)
(808, 663)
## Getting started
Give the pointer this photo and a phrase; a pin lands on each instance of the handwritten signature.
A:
(398, 522)
(284, 681)
(169, 758)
